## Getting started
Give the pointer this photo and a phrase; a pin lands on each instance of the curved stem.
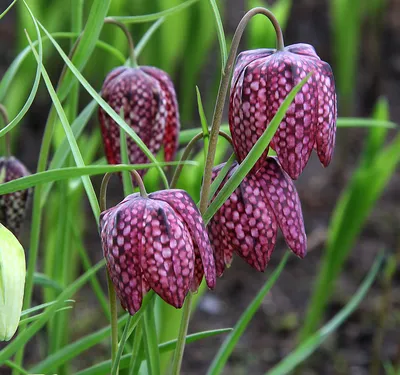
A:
(223, 89)
(213, 139)
(103, 192)
(186, 153)
(128, 35)
(4, 115)
(140, 183)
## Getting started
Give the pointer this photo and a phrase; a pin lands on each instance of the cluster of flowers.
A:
(159, 241)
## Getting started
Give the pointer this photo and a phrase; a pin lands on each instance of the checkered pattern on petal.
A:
(13, 205)
(121, 231)
(172, 126)
(183, 204)
(166, 253)
(284, 201)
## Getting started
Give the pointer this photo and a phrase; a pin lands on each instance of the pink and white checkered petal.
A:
(246, 57)
(144, 105)
(198, 270)
(295, 137)
(258, 225)
(327, 113)
(302, 49)
(121, 232)
(285, 204)
(172, 127)
(184, 205)
(13, 206)
(167, 255)
(248, 111)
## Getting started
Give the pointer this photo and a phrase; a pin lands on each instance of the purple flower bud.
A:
(261, 81)
(158, 243)
(13, 206)
(247, 222)
(148, 100)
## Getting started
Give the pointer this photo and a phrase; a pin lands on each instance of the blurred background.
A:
(361, 41)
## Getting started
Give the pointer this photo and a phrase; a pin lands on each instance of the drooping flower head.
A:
(248, 221)
(261, 81)
(157, 242)
(13, 205)
(150, 108)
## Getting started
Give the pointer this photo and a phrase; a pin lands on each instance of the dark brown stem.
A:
(223, 89)
(4, 115)
(128, 35)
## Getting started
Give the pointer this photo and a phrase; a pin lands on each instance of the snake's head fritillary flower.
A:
(157, 242)
(13, 205)
(148, 100)
(12, 276)
(261, 81)
(248, 221)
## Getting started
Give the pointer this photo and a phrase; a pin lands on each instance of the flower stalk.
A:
(4, 116)
(132, 57)
(212, 146)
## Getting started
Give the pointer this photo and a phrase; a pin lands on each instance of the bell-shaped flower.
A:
(148, 100)
(13, 205)
(12, 283)
(157, 242)
(248, 221)
(261, 81)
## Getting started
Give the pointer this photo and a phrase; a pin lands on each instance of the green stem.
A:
(223, 89)
(37, 210)
(4, 115)
(114, 319)
(115, 366)
(128, 35)
(212, 147)
(180, 344)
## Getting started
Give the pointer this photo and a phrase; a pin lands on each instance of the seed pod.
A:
(261, 81)
(13, 206)
(12, 276)
(150, 108)
(157, 242)
(247, 222)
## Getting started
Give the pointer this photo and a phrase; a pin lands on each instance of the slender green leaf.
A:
(86, 45)
(126, 176)
(221, 34)
(103, 368)
(31, 319)
(151, 343)
(80, 346)
(203, 120)
(7, 9)
(154, 16)
(304, 350)
(146, 37)
(32, 94)
(42, 306)
(221, 175)
(75, 172)
(253, 155)
(230, 342)
(46, 282)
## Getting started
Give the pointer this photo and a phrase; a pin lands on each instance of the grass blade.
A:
(312, 343)
(230, 342)
(154, 16)
(7, 9)
(221, 34)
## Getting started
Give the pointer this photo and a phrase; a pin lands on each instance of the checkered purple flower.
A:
(247, 223)
(148, 99)
(13, 205)
(261, 81)
(157, 242)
